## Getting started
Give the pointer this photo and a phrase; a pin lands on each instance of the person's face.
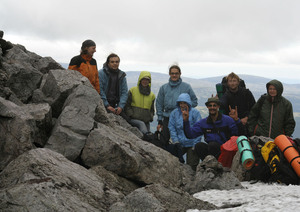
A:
(233, 84)
(272, 91)
(114, 63)
(213, 108)
(174, 74)
(145, 82)
(91, 50)
(183, 106)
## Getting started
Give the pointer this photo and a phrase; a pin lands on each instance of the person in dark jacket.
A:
(113, 86)
(237, 96)
(217, 128)
(272, 115)
(86, 64)
(176, 129)
(140, 104)
(167, 97)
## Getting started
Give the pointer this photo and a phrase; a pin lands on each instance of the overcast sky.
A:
(205, 37)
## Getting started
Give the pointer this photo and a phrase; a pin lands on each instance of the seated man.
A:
(140, 104)
(113, 86)
(216, 128)
(176, 128)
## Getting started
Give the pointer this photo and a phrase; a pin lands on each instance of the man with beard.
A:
(237, 96)
(217, 128)
(113, 86)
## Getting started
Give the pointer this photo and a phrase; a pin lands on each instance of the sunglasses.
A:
(174, 73)
(212, 105)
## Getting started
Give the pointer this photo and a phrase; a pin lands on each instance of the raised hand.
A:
(233, 113)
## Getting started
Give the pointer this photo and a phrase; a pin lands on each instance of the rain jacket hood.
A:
(184, 97)
(278, 85)
(144, 74)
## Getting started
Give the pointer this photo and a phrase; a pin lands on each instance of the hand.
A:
(233, 113)
(118, 110)
(185, 113)
(244, 120)
(159, 127)
(110, 108)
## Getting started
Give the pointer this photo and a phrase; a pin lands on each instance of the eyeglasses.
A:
(172, 73)
(212, 105)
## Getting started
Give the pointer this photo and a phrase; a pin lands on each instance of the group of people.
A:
(178, 119)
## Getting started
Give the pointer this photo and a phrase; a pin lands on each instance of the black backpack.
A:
(281, 170)
(260, 170)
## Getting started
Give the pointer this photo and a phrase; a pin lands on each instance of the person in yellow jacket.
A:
(86, 64)
(140, 103)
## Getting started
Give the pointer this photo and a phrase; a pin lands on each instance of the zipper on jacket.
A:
(271, 117)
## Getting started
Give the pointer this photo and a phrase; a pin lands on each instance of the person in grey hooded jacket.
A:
(176, 128)
(167, 97)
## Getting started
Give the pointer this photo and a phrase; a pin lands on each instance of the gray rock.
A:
(23, 76)
(57, 86)
(119, 151)
(115, 182)
(211, 175)
(159, 198)
(21, 128)
(43, 180)
(75, 122)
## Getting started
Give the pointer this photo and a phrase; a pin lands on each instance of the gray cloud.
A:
(163, 31)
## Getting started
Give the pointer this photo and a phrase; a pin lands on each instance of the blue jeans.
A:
(142, 126)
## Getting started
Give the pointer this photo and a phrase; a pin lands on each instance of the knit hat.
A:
(87, 43)
(213, 99)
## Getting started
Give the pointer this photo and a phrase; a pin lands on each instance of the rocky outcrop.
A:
(61, 151)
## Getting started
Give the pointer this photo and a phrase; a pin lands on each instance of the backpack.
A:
(228, 151)
(260, 170)
(174, 149)
(280, 169)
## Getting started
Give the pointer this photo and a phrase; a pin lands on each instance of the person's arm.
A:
(102, 83)
(128, 107)
(254, 115)
(123, 93)
(96, 76)
(193, 97)
(189, 132)
(160, 107)
(172, 127)
(152, 110)
(289, 121)
(74, 63)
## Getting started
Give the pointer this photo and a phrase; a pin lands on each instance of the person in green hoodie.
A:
(272, 115)
(140, 103)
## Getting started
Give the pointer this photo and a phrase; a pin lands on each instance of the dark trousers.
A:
(212, 148)
(165, 134)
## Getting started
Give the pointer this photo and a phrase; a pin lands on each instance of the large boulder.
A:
(57, 86)
(75, 122)
(123, 153)
(43, 180)
(22, 128)
(159, 198)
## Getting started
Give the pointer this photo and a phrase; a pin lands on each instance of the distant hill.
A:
(206, 86)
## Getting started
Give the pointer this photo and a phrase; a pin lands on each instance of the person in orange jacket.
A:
(86, 64)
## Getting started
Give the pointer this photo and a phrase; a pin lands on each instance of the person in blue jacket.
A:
(176, 128)
(217, 128)
(113, 86)
(166, 100)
